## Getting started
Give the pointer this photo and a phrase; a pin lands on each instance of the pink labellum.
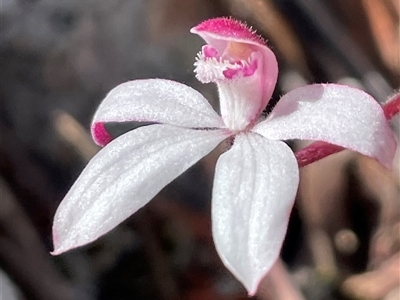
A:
(243, 70)
(209, 51)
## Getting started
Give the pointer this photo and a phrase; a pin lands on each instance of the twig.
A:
(276, 26)
(73, 133)
(380, 185)
(278, 285)
(330, 29)
(159, 264)
(376, 284)
(385, 31)
(24, 257)
(26, 178)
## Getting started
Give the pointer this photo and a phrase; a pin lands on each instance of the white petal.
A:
(124, 176)
(157, 100)
(254, 189)
(336, 114)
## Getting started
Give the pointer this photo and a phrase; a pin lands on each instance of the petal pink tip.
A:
(253, 291)
(229, 28)
(58, 246)
(56, 250)
(100, 134)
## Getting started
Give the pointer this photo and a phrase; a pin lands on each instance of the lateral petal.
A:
(154, 100)
(254, 190)
(332, 113)
(123, 177)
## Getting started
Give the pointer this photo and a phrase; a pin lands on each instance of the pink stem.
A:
(392, 106)
(315, 152)
(319, 150)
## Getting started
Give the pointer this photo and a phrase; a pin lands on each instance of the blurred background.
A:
(59, 58)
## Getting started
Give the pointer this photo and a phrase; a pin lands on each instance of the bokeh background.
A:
(59, 58)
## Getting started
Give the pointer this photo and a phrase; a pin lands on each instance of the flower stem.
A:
(392, 106)
(279, 285)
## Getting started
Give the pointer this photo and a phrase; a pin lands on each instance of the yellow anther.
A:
(238, 51)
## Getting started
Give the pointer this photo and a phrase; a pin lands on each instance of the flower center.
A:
(236, 60)
(237, 51)
(236, 68)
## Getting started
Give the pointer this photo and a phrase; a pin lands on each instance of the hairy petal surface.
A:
(124, 176)
(332, 113)
(154, 100)
(229, 29)
(254, 189)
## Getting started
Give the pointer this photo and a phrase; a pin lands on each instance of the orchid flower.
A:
(255, 180)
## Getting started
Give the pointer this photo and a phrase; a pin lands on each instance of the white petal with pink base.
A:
(155, 100)
(124, 176)
(332, 113)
